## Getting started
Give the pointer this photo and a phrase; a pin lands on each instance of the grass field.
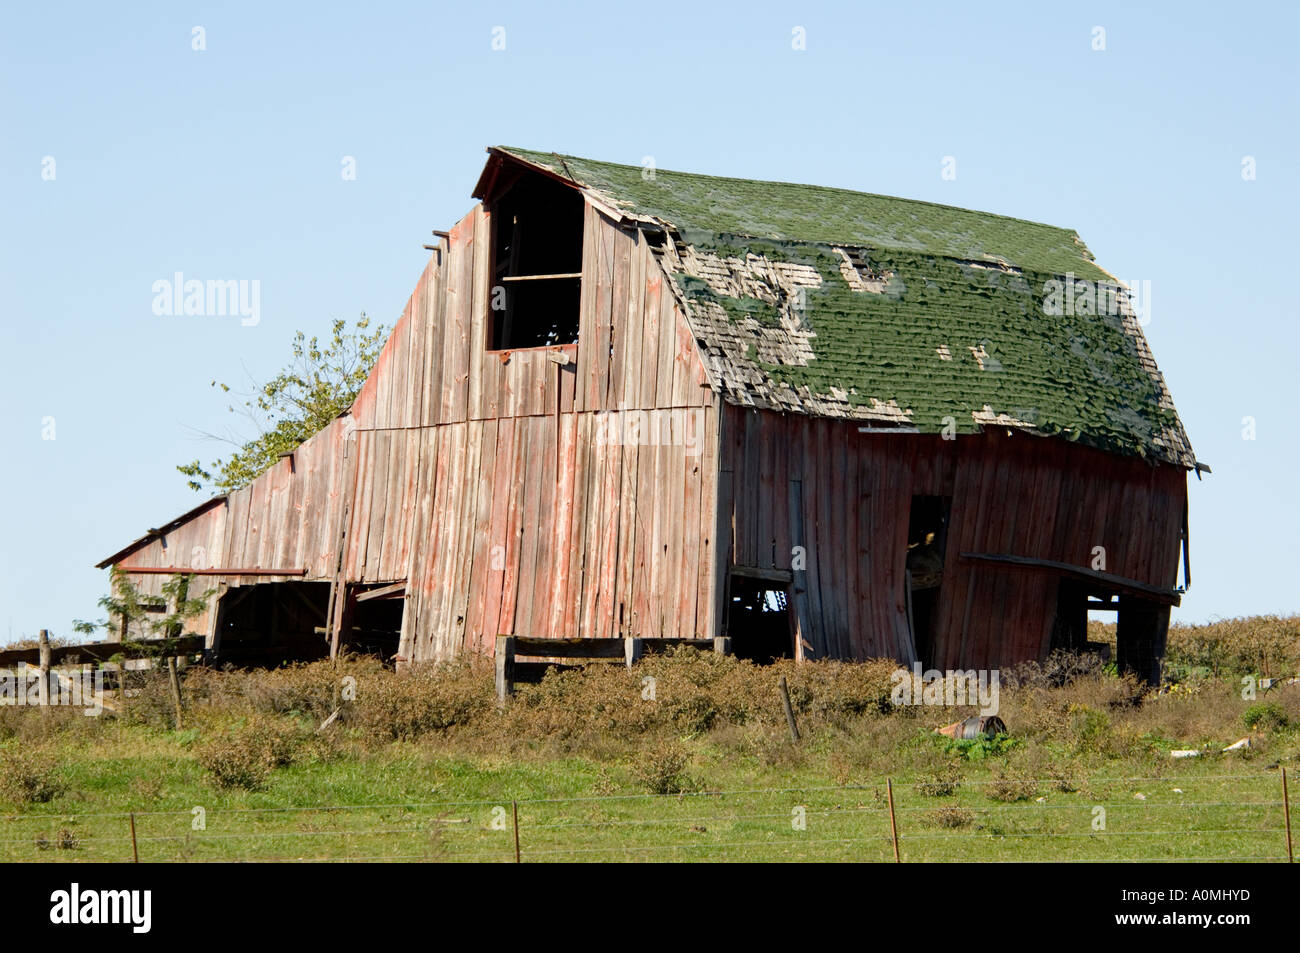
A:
(424, 767)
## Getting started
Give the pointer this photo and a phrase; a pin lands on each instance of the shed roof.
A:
(897, 312)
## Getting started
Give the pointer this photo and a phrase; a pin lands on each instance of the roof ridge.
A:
(801, 185)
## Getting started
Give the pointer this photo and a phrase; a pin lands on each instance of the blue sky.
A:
(225, 163)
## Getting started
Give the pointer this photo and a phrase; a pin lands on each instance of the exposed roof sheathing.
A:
(898, 312)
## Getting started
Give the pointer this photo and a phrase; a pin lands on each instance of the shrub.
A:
(1090, 729)
(428, 698)
(28, 777)
(1009, 787)
(1266, 717)
(231, 764)
(977, 749)
(663, 770)
(941, 782)
(951, 817)
(243, 755)
(1235, 647)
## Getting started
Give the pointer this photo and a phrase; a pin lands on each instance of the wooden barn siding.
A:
(1053, 500)
(288, 518)
(846, 496)
(520, 520)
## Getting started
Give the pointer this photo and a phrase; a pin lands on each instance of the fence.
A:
(510, 648)
(1223, 818)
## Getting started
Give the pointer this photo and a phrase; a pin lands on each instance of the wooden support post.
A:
(1286, 810)
(505, 665)
(212, 647)
(893, 824)
(173, 680)
(722, 644)
(633, 648)
(43, 691)
(135, 850)
(789, 710)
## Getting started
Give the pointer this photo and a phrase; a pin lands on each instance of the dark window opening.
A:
(927, 536)
(537, 264)
(272, 622)
(759, 621)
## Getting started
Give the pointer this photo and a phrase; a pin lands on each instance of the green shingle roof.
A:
(897, 312)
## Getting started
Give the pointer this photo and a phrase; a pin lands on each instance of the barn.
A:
(623, 401)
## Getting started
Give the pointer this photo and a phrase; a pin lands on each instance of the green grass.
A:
(425, 767)
(409, 803)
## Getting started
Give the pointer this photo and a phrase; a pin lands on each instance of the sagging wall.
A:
(496, 483)
(845, 496)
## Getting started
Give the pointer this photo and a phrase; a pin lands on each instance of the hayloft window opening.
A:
(759, 620)
(537, 265)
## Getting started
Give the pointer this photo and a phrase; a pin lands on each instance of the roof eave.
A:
(161, 531)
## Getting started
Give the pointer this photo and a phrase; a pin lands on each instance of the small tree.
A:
(319, 383)
(127, 604)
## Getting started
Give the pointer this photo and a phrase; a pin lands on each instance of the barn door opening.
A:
(1070, 624)
(1141, 632)
(271, 622)
(373, 620)
(927, 536)
(759, 618)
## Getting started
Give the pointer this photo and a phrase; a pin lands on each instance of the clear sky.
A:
(227, 163)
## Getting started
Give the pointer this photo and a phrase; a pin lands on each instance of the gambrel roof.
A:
(897, 312)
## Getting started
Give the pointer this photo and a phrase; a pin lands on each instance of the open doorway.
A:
(373, 622)
(272, 622)
(1070, 624)
(759, 619)
(927, 537)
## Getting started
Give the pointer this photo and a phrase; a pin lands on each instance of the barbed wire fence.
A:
(1244, 817)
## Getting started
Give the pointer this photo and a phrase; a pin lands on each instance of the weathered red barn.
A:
(623, 401)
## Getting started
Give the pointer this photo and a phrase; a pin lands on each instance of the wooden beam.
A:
(568, 274)
(569, 648)
(190, 571)
(1104, 580)
(765, 575)
(104, 651)
(386, 592)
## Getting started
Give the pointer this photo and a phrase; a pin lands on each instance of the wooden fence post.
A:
(505, 665)
(135, 851)
(174, 681)
(515, 806)
(893, 824)
(632, 650)
(1286, 810)
(44, 644)
(789, 709)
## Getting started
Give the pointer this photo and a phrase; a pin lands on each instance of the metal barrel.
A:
(988, 726)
